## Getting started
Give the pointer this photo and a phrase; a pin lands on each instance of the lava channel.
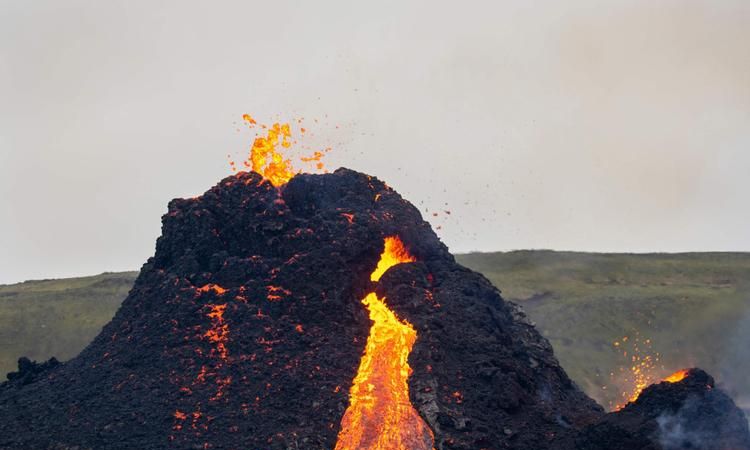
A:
(380, 415)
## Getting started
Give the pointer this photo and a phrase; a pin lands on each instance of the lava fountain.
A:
(266, 155)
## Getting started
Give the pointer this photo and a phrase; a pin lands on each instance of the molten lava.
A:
(642, 364)
(393, 253)
(266, 155)
(267, 161)
(677, 376)
(674, 378)
(380, 415)
(642, 371)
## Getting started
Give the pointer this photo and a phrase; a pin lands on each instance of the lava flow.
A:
(380, 415)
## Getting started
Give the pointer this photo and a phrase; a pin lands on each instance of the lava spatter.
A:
(269, 152)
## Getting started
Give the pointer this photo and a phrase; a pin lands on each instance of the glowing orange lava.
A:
(267, 152)
(677, 376)
(394, 253)
(642, 365)
(267, 161)
(380, 415)
(219, 331)
(642, 371)
(212, 287)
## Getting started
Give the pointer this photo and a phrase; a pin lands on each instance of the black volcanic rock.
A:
(688, 414)
(483, 376)
(29, 371)
(246, 329)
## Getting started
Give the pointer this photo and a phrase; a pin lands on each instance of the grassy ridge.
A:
(693, 308)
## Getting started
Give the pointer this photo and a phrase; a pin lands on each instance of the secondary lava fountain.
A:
(380, 415)
(643, 371)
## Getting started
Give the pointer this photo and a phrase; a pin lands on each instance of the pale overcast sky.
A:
(579, 125)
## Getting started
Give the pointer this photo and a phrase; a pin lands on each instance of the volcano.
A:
(324, 313)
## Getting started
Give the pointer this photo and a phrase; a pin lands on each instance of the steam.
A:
(691, 428)
(736, 363)
(676, 432)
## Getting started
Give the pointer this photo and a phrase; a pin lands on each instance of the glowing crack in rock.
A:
(380, 415)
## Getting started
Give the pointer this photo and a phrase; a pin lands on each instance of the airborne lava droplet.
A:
(380, 415)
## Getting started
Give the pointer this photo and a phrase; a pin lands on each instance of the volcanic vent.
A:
(322, 313)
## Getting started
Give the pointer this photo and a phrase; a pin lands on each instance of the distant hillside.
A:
(692, 309)
(40, 319)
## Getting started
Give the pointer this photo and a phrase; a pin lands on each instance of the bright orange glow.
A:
(265, 158)
(247, 118)
(640, 368)
(212, 287)
(677, 376)
(645, 381)
(219, 331)
(276, 293)
(267, 152)
(394, 253)
(316, 157)
(380, 415)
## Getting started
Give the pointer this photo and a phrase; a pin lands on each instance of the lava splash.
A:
(267, 154)
(380, 415)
